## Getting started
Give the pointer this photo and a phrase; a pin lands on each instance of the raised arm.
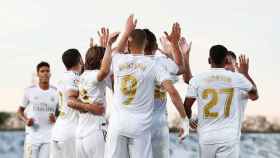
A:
(107, 59)
(244, 69)
(185, 49)
(129, 27)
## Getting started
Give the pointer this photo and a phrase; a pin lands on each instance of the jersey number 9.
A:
(128, 88)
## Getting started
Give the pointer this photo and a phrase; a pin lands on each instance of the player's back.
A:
(135, 77)
(68, 118)
(91, 91)
(218, 94)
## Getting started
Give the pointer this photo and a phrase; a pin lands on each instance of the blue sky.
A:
(32, 31)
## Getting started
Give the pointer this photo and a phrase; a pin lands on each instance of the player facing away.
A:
(63, 133)
(135, 76)
(217, 92)
(159, 129)
(38, 108)
(92, 129)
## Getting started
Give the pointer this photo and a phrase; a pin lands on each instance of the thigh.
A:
(56, 149)
(116, 145)
(80, 151)
(69, 148)
(44, 151)
(140, 146)
(228, 150)
(160, 142)
(207, 150)
(94, 144)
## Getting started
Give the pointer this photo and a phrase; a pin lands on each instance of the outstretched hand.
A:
(112, 38)
(175, 34)
(103, 36)
(130, 24)
(243, 64)
(166, 46)
(185, 47)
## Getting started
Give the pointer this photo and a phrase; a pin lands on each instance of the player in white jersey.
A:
(38, 108)
(92, 129)
(63, 134)
(160, 130)
(217, 92)
(135, 76)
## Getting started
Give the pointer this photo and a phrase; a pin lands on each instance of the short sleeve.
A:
(73, 82)
(242, 83)
(169, 65)
(192, 90)
(161, 74)
(25, 100)
(115, 57)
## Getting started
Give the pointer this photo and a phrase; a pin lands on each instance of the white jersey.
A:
(67, 121)
(217, 92)
(39, 105)
(160, 94)
(135, 77)
(243, 100)
(91, 91)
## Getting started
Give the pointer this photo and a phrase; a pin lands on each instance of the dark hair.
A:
(138, 37)
(151, 41)
(71, 58)
(41, 64)
(218, 54)
(232, 54)
(94, 58)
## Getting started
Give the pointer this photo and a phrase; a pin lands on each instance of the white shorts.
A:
(91, 146)
(63, 149)
(118, 146)
(36, 150)
(160, 142)
(225, 150)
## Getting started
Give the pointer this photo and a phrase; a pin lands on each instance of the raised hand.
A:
(103, 36)
(166, 46)
(112, 38)
(175, 34)
(92, 43)
(130, 24)
(243, 64)
(184, 46)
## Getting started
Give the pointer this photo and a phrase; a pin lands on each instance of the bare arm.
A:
(74, 103)
(130, 26)
(107, 59)
(188, 106)
(175, 97)
(244, 69)
(21, 115)
(185, 49)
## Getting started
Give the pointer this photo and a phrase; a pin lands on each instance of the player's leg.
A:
(80, 148)
(160, 142)
(116, 145)
(69, 148)
(94, 145)
(207, 150)
(44, 151)
(56, 149)
(228, 150)
(141, 146)
(31, 150)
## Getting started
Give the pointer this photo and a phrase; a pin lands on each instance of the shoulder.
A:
(53, 88)
(30, 88)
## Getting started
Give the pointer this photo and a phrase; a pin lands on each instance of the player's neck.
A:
(217, 66)
(136, 51)
(44, 86)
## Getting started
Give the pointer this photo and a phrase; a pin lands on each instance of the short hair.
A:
(218, 54)
(42, 64)
(71, 58)
(94, 58)
(232, 54)
(151, 44)
(138, 38)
